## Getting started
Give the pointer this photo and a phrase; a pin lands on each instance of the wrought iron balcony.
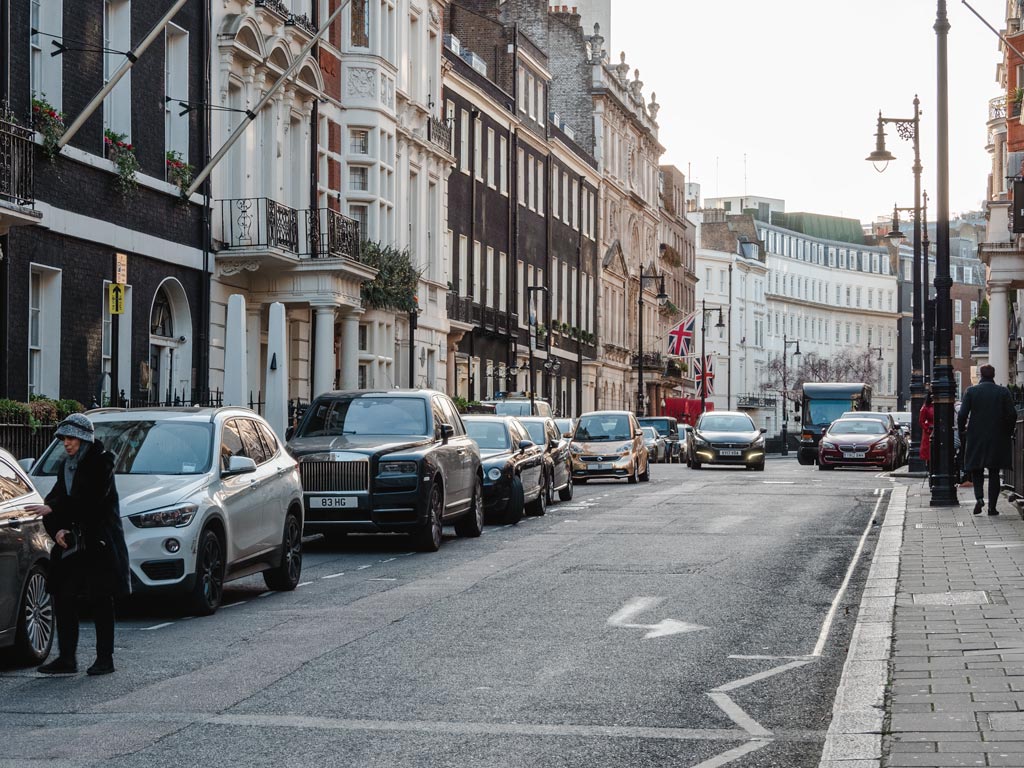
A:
(439, 133)
(254, 223)
(651, 360)
(980, 341)
(16, 168)
(997, 108)
(331, 234)
(459, 308)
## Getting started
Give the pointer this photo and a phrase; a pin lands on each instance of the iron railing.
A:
(459, 308)
(331, 234)
(259, 222)
(651, 360)
(997, 108)
(439, 133)
(26, 441)
(980, 340)
(16, 183)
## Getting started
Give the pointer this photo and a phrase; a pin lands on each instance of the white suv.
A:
(207, 495)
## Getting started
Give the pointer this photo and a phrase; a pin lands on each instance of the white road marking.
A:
(264, 594)
(156, 626)
(334, 575)
(734, 754)
(761, 676)
(830, 616)
(663, 628)
(737, 715)
(779, 482)
(240, 602)
(389, 560)
(381, 579)
(303, 584)
(364, 567)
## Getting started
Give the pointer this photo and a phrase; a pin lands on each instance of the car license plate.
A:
(853, 454)
(730, 452)
(601, 467)
(333, 502)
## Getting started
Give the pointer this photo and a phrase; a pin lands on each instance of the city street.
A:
(684, 622)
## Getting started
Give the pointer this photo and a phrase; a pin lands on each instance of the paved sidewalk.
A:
(955, 692)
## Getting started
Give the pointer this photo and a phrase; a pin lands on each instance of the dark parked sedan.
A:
(513, 465)
(26, 613)
(858, 442)
(727, 437)
(392, 462)
(558, 462)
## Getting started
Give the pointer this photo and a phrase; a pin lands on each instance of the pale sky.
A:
(796, 86)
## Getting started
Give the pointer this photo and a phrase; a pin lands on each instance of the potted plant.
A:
(49, 123)
(179, 172)
(122, 152)
(1015, 102)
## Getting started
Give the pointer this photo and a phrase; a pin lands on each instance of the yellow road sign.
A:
(115, 298)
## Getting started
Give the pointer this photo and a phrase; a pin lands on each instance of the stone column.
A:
(999, 330)
(324, 363)
(235, 368)
(350, 349)
(253, 347)
(276, 408)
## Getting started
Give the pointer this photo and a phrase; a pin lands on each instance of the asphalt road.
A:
(681, 622)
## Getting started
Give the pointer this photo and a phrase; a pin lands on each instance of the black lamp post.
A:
(909, 129)
(703, 355)
(530, 289)
(414, 314)
(641, 399)
(929, 303)
(552, 367)
(943, 386)
(785, 389)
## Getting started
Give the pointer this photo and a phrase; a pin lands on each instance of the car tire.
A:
(539, 506)
(695, 465)
(634, 477)
(471, 524)
(582, 480)
(759, 467)
(549, 490)
(36, 622)
(566, 493)
(645, 476)
(208, 591)
(285, 577)
(428, 538)
(824, 467)
(516, 502)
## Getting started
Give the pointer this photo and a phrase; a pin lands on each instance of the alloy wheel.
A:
(293, 548)
(38, 614)
(436, 511)
(212, 571)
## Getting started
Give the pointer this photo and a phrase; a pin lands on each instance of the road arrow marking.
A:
(663, 628)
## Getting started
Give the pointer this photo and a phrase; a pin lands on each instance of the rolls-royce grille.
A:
(335, 475)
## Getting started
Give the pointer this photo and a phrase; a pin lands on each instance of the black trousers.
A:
(65, 607)
(978, 478)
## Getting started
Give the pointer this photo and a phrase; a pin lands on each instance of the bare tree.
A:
(846, 365)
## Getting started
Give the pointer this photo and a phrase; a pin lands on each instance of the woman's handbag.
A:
(74, 540)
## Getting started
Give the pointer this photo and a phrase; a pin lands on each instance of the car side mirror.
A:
(764, 430)
(447, 432)
(26, 464)
(524, 444)
(239, 465)
(824, 430)
(567, 435)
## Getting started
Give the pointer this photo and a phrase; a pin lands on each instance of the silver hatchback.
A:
(207, 495)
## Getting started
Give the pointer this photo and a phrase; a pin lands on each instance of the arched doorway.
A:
(170, 345)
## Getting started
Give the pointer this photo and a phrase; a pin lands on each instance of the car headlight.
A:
(176, 517)
(881, 445)
(624, 450)
(494, 473)
(700, 441)
(828, 445)
(397, 468)
(575, 448)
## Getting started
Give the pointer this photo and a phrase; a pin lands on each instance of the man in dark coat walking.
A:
(988, 415)
(83, 517)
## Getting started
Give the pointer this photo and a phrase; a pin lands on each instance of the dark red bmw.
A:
(852, 442)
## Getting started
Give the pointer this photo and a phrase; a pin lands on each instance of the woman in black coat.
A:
(83, 517)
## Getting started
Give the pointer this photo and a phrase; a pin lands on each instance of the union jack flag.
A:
(680, 338)
(704, 373)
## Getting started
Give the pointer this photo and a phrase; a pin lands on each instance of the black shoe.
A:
(993, 511)
(977, 507)
(101, 667)
(59, 667)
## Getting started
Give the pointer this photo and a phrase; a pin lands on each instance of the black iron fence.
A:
(650, 360)
(16, 181)
(1014, 477)
(331, 234)
(439, 134)
(25, 441)
(259, 222)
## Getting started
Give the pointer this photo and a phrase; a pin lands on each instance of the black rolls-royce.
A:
(514, 476)
(388, 462)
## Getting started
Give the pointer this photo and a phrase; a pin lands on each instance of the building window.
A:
(502, 280)
(478, 150)
(477, 273)
(503, 165)
(44, 310)
(106, 346)
(358, 178)
(359, 13)
(521, 175)
(361, 214)
(958, 312)
(463, 265)
(45, 72)
(974, 310)
(359, 141)
(117, 107)
(958, 345)
(464, 142)
(175, 90)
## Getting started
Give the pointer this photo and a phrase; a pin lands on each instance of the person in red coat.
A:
(927, 419)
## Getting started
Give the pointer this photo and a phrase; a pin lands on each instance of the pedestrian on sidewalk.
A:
(926, 417)
(988, 415)
(82, 516)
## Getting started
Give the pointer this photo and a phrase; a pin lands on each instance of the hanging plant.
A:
(179, 172)
(123, 154)
(49, 123)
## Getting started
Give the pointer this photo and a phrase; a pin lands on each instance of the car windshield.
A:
(147, 448)
(650, 433)
(564, 425)
(662, 425)
(882, 417)
(489, 435)
(536, 430)
(513, 408)
(721, 422)
(374, 415)
(597, 427)
(902, 417)
(826, 411)
(857, 427)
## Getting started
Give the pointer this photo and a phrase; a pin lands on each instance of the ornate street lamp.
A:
(641, 399)
(908, 129)
(785, 389)
(704, 309)
(530, 289)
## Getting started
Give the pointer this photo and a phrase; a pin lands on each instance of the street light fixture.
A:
(703, 354)
(530, 289)
(414, 313)
(785, 389)
(662, 297)
(909, 129)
